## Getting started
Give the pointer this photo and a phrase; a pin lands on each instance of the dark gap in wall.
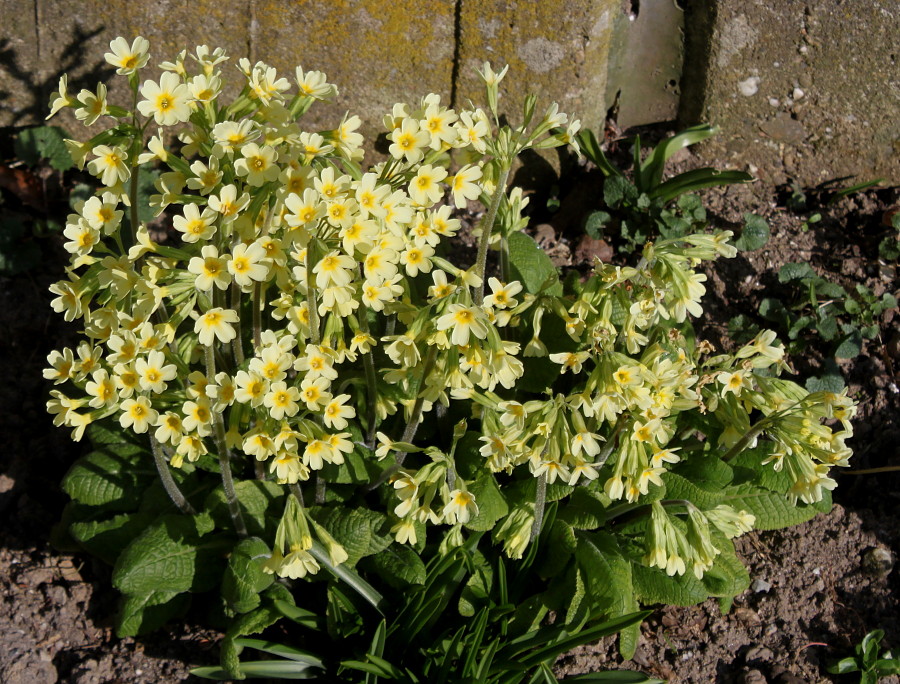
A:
(457, 34)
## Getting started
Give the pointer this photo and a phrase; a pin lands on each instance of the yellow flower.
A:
(424, 188)
(137, 414)
(109, 165)
(216, 323)
(464, 321)
(168, 101)
(127, 58)
(93, 106)
(464, 187)
(62, 99)
(195, 226)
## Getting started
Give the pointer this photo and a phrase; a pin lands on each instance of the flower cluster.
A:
(302, 307)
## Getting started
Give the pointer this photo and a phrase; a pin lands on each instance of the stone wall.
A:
(808, 91)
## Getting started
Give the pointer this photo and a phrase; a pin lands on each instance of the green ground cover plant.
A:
(302, 402)
(642, 205)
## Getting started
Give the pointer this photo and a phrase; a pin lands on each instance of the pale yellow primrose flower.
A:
(167, 101)
(109, 166)
(216, 323)
(62, 99)
(127, 58)
(94, 106)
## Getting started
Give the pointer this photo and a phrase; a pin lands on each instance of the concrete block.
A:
(808, 92)
(557, 52)
(377, 52)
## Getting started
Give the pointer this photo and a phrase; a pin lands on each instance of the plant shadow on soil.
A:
(812, 586)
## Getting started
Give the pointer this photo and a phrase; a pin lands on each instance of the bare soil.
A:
(816, 589)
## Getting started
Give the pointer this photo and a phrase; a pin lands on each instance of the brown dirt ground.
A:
(814, 593)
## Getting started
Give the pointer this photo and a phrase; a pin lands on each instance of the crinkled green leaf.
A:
(107, 538)
(490, 501)
(170, 555)
(260, 501)
(652, 585)
(399, 566)
(244, 577)
(754, 235)
(795, 271)
(531, 266)
(678, 487)
(773, 511)
(248, 623)
(361, 531)
(583, 510)
(45, 142)
(610, 582)
(112, 480)
(727, 577)
(147, 612)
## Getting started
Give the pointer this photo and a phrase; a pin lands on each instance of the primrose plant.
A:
(321, 382)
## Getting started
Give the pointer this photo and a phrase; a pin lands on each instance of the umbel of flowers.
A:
(304, 310)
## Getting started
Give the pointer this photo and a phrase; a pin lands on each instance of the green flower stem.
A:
(416, 416)
(409, 433)
(487, 225)
(504, 259)
(371, 385)
(237, 344)
(315, 335)
(540, 503)
(168, 482)
(257, 316)
(751, 434)
(224, 454)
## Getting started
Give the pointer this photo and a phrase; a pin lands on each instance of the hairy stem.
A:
(371, 385)
(257, 316)
(409, 433)
(168, 482)
(237, 344)
(540, 503)
(224, 454)
(487, 226)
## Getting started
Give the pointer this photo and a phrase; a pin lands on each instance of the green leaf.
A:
(244, 577)
(260, 502)
(727, 577)
(825, 383)
(103, 478)
(583, 510)
(44, 141)
(652, 585)
(148, 612)
(827, 328)
(107, 538)
(795, 271)
(530, 265)
(617, 189)
(170, 556)
(595, 223)
(653, 166)
(246, 624)
(399, 566)
(587, 141)
(262, 669)
(560, 544)
(850, 346)
(754, 235)
(691, 181)
(773, 511)
(609, 582)
(491, 504)
(361, 531)
(678, 487)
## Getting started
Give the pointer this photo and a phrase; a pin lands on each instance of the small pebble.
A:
(760, 585)
(754, 677)
(749, 87)
(878, 561)
(798, 93)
